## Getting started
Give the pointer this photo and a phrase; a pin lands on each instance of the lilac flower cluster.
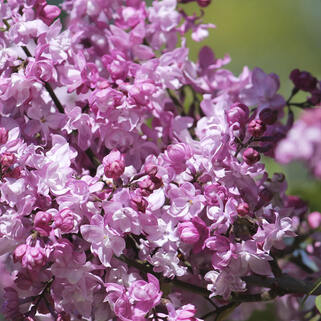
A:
(131, 186)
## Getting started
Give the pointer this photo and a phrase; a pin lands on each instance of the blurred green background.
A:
(278, 36)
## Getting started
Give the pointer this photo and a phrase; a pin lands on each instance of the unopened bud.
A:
(188, 232)
(303, 80)
(114, 164)
(251, 156)
(256, 128)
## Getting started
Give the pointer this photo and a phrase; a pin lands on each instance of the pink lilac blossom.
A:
(119, 193)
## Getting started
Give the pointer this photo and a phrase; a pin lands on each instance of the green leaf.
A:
(318, 302)
(316, 286)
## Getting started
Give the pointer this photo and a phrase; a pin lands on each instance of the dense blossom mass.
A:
(132, 186)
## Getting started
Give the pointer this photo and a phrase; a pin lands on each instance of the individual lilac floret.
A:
(272, 234)
(46, 12)
(133, 304)
(223, 283)
(303, 142)
(238, 113)
(114, 164)
(262, 91)
(66, 221)
(177, 155)
(104, 241)
(185, 313)
(224, 251)
(186, 201)
(145, 294)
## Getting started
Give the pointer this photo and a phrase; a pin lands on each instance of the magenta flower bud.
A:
(314, 219)
(303, 80)
(238, 113)
(34, 257)
(243, 209)
(3, 135)
(251, 156)
(256, 127)
(114, 164)
(31, 257)
(188, 232)
(177, 155)
(65, 220)
(268, 116)
(49, 13)
(204, 3)
(7, 159)
(42, 222)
